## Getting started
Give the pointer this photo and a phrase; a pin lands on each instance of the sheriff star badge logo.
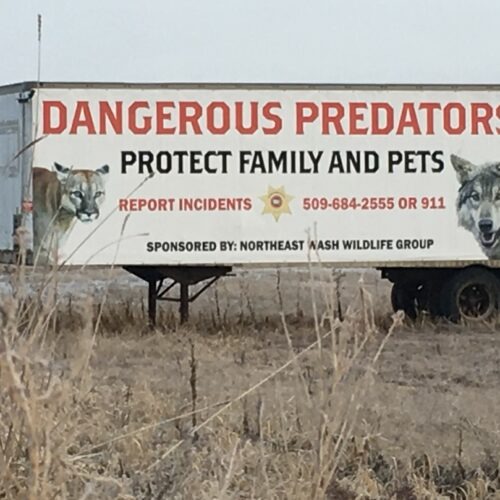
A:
(276, 202)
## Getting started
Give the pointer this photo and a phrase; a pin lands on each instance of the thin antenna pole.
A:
(39, 46)
(38, 72)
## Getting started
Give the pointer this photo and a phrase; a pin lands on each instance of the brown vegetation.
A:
(274, 390)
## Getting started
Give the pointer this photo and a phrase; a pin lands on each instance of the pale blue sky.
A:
(317, 41)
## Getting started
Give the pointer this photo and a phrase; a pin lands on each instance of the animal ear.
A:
(104, 170)
(62, 172)
(464, 168)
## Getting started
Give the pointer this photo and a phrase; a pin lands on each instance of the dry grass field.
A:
(286, 384)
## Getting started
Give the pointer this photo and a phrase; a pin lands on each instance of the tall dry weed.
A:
(46, 389)
(211, 412)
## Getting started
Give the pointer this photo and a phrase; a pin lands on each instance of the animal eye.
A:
(475, 195)
(98, 193)
(76, 194)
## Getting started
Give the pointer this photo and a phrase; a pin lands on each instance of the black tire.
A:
(403, 299)
(471, 295)
(434, 292)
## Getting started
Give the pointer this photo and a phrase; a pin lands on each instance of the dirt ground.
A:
(431, 393)
(435, 390)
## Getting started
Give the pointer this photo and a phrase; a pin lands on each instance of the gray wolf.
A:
(60, 198)
(478, 203)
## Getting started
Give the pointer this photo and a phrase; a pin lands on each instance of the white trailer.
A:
(185, 181)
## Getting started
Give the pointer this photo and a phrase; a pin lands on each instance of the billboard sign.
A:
(224, 176)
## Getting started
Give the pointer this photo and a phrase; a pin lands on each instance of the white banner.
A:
(218, 176)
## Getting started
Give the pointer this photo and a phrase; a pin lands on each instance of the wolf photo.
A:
(478, 202)
(63, 197)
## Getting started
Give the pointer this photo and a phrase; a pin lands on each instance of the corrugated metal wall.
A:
(10, 170)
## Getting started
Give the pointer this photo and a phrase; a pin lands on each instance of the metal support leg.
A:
(185, 276)
(152, 296)
(184, 302)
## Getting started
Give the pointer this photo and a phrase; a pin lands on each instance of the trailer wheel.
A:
(471, 294)
(434, 298)
(403, 299)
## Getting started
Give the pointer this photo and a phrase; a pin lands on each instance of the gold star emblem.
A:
(276, 202)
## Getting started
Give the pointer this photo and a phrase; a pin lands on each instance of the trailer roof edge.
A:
(28, 85)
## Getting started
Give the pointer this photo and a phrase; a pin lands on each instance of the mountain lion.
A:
(60, 198)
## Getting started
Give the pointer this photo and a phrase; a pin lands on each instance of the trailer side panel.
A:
(267, 175)
(11, 131)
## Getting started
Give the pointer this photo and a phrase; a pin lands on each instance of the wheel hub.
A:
(474, 301)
